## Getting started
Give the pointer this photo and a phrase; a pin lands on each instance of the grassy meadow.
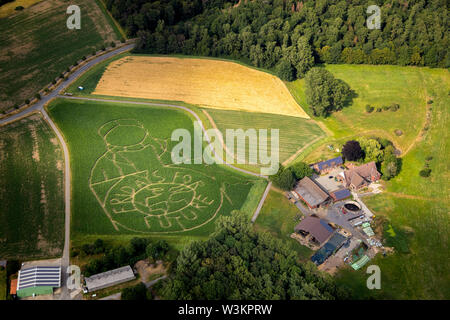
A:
(36, 46)
(138, 190)
(418, 208)
(31, 192)
(378, 86)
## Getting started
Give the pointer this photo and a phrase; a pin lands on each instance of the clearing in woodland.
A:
(203, 82)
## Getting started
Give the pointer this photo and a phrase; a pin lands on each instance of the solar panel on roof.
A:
(332, 162)
(39, 276)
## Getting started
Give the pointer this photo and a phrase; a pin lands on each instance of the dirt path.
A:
(299, 151)
(211, 120)
(261, 202)
(422, 131)
(65, 259)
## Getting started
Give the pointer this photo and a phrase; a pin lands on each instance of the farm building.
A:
(328, 249)
(328, 165)
(361, 176)
(109, 278)
(319, 229)
(38, 280)
(311, 193)
(341, 194)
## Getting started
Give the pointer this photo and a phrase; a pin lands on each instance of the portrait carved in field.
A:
(141, 191)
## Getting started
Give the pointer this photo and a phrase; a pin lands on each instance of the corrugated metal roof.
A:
(108, 278)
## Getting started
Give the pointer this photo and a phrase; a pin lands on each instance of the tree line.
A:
(116, 256)
(237, 262)
(290, 36)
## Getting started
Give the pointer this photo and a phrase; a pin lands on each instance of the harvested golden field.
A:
(208, 83)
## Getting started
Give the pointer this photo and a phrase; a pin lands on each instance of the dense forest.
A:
(289, 36)
(237, 262)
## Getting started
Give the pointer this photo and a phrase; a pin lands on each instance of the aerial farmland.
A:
(224, 150)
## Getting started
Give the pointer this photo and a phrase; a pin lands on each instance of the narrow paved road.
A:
(65, 259)
(38, 106)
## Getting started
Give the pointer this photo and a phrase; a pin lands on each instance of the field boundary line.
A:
(111, 20)
(211, 120)
(299, 151)
(39, 105)
(67, 197)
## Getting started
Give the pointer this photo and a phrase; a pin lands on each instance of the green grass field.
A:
(278, 216)
(378, 86)
(123, 180)
(3, 284)
(36, 46)
(420, 207)
(31, 196)
(294, 133)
